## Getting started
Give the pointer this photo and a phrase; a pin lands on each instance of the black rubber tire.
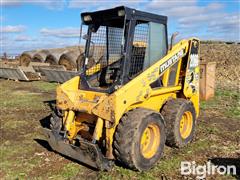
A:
(172, 113)
(128, 136)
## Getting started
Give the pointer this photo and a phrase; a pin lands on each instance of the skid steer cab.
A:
(132, 96)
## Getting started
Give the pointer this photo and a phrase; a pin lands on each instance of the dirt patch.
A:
(24, 92)
(50, 162)
(216, 118)
(7, 135)
(38, 87)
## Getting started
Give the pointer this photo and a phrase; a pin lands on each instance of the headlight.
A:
(87, 18)
(121, 13)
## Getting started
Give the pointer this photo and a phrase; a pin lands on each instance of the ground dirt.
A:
(227, 61)
(24, 153)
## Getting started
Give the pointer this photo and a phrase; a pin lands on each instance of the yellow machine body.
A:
(133, 93)
(104, 111)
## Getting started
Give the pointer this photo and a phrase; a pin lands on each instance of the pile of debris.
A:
(60, 56)
(54, 65)
(227, 58)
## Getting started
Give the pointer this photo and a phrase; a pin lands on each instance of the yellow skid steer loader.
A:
(133, 94)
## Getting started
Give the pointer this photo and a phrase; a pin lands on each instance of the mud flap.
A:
(87, 153)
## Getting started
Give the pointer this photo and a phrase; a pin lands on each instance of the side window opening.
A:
(149, 46)
(157, 41)
(140, 43)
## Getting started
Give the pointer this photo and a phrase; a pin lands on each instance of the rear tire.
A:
(139, 139)
(180, 117)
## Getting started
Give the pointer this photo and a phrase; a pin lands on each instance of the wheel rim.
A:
(150, 141)
(186, 123)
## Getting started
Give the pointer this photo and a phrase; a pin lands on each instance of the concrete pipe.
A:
(54, 55)
(40, 56)
(51, 59)
(69, 59)
(26, 57)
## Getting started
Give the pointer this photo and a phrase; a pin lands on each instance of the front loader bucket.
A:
(87, 153)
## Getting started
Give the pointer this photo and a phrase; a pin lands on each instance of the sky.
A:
(35, 24)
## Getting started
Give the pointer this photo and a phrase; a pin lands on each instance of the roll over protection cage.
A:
(117, 17)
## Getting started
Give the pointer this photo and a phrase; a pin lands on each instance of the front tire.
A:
(139, 139)
(180, 117)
